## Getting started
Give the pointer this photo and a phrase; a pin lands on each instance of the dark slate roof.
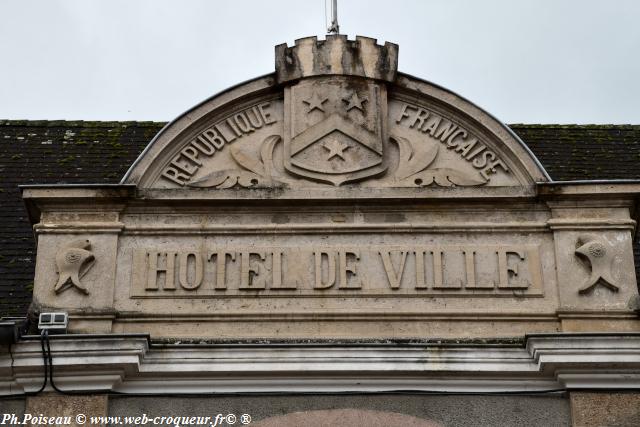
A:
(575, 152)
(53, 152)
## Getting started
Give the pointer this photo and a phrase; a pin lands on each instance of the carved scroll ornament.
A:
(415, 158)
(412, 169)
(255, 171)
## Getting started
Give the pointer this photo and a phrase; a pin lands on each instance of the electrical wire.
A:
(47, 358)
(53, 384)
(43, 337)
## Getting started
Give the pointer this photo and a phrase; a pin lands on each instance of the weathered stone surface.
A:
(487, 411)
(57, 405)
(336, 56)
(345, 418)
(13, 406)
(605, 409)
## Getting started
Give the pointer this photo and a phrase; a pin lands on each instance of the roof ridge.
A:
(142, 123)
(79, 123)
(576, 126)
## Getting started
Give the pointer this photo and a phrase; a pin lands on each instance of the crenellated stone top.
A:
(336, 55)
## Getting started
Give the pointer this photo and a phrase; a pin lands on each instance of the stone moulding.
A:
(134, 364)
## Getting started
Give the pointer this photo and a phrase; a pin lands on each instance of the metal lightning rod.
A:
(334, 28)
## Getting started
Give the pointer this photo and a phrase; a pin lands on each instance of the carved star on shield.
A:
(334, 144)
(335, 148)
(315, 102)
(355, 102)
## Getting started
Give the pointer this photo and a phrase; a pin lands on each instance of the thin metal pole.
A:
(334, 28)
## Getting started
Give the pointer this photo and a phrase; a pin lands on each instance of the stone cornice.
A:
(131, 364)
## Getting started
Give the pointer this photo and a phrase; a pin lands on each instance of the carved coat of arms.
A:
(335, 129)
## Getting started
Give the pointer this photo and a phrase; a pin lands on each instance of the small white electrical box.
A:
(53, 321)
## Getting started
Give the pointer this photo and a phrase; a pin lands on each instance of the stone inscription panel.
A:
(330, 271)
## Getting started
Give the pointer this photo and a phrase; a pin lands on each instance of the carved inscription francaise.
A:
(454, 137)
(479, 270)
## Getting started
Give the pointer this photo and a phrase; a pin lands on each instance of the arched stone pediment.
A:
(335, 113)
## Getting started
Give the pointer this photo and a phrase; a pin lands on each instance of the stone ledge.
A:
(130, 364)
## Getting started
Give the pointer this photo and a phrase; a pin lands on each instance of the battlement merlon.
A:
(336, 56)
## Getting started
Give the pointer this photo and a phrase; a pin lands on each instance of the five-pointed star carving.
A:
(315, 101)
(355, 102)
(335, 148)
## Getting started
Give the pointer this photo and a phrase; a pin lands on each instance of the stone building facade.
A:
(338, 243)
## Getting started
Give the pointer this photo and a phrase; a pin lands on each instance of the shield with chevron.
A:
(335, 128)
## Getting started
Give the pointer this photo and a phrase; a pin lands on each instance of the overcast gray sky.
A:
(525, 61)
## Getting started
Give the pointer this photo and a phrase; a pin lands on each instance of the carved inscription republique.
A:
(321, 271)
(185, 164)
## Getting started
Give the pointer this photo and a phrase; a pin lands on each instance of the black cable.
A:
(331, 393)
(48, 370)
(53, 384)
(44, 335)
(400, 392)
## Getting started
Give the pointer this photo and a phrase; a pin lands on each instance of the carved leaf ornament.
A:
(412, 169)
(414, 160)
(257, 173)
